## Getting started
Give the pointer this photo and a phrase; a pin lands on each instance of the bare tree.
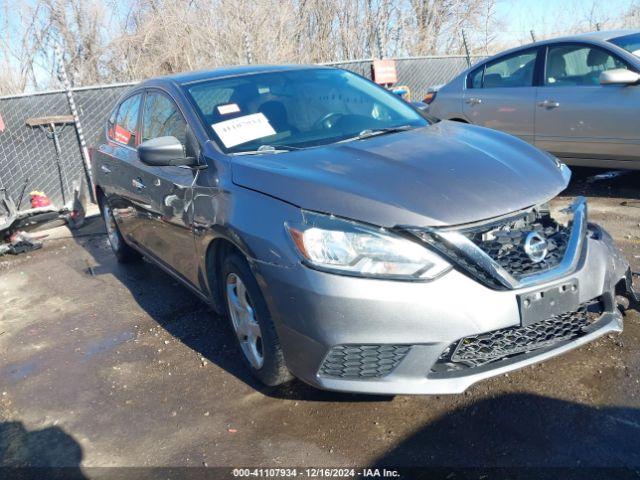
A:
(437, 24)
(112, 40)
(19, 47)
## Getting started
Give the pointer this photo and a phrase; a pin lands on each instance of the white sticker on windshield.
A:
(243, 129)
(228, 108)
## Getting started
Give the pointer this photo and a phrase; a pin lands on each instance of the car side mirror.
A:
(423, 107)
(619, 76)
(163, 152)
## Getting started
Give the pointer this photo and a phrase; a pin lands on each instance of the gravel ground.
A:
(105, 365)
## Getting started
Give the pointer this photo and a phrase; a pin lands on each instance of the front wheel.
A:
(251, 323)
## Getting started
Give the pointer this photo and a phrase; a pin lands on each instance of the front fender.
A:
(252, 222)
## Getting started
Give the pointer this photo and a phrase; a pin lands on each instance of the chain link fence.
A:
(418, 73)
(28, 159)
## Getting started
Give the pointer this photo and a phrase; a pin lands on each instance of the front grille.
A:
(478, 350)
(467, 265)
(362, 361)
(504, 242)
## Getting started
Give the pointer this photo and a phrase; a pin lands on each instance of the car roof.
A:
(185, 78)
(599, 36)
(595, 37)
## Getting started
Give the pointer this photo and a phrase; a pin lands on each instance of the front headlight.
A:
(332, 244)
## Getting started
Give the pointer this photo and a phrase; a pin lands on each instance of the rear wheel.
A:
(251, 322)
(123, 252)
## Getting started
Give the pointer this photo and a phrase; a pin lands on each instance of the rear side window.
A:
(161, 118)
(578, 65)
(123, 125)
(475, 78)
(515, 70)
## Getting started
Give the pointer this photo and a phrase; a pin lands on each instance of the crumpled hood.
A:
(444, 174)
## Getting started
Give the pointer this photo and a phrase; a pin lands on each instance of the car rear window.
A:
(513, 70)
(475, 78)
(124, 128)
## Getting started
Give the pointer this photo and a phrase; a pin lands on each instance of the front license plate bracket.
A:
(543, 304)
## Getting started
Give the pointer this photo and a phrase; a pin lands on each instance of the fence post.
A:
(247, 49)
(76, 120)
(466, 48)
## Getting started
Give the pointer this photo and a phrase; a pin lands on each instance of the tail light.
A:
(429, 97)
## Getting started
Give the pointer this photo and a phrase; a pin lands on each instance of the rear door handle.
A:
(549, 104)
(137, 183)
(473, 100)
(105, 169)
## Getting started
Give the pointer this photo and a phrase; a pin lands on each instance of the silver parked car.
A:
(577, 97)
(350, 241)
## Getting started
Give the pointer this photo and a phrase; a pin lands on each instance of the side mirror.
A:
(423, 107)
(619, 76)
(163, 152)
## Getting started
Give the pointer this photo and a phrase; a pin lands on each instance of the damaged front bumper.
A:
(627, 290)
(389, 337)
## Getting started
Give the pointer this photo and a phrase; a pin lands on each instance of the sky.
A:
(548, 17)
(519, 16)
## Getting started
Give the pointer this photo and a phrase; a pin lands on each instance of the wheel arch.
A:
(216, 251)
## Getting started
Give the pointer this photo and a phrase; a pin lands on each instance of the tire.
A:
(123, 252)
(249, 317)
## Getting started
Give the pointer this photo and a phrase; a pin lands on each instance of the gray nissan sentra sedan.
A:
(577, 97)
(350, 241)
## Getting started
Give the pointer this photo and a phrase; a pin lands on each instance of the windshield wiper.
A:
(369, 132)
(268, 149)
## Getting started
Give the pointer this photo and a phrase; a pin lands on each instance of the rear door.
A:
(501, 94)
(576, 117)
(167, 192)
(115, 159)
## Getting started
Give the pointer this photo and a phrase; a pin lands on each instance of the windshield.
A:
(294, 109)
(630, 43)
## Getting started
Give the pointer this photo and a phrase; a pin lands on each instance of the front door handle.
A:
(549, 104)
(473, 100)
(105, 169)
(137, 184)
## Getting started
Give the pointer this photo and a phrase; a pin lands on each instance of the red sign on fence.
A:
(384, 72)
(1, 124)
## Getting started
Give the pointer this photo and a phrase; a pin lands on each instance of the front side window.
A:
(631, 43)
(295, 109)
(516, 70)
(578, 65)
(161, 118)
(122, 126)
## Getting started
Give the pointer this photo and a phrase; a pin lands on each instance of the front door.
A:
(576, 117)
(501, 94)
(167, 210)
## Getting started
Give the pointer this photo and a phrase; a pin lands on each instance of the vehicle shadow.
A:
(187, 318)
(46, 453)
(592, 182)
(523, 430)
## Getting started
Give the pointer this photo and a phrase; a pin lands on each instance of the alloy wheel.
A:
(244, 322)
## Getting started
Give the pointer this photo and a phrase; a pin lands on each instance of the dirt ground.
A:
(109, 365)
